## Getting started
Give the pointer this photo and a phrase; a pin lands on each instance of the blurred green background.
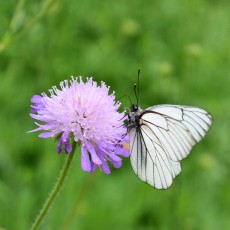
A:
(183, 49)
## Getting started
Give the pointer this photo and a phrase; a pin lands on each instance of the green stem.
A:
(12, 34)
(55, 190)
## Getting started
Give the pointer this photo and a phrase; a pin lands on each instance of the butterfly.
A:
(161, 136)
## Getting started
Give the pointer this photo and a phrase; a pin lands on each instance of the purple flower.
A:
(83, 112)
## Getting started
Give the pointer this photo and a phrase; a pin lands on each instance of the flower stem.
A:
(55, 190)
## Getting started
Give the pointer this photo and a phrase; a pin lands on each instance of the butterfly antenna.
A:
(137, 86)
(125, 96)
(138, 82)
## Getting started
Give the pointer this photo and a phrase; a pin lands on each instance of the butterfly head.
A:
(134, 108)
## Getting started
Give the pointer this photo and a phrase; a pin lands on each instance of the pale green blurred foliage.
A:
(183, 50)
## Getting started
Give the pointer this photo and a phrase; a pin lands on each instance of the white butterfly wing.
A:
(149, 161)
(165, 136)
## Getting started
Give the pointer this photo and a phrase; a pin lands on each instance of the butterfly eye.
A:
(134, 108)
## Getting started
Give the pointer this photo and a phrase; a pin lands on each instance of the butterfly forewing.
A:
(164, 136)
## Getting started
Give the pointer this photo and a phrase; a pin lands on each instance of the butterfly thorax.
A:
(134, 117)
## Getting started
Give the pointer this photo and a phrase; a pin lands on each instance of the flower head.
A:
(85, 112)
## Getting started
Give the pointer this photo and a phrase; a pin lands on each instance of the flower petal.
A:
(38, 117)
(116, 164)
(105, 167)
(114, 157)
(46, 135)
(36, 99)
(85, 160)
(122, 151)
(93, 153)
(94, 167)
(68, 147)
(64, 142)
(58, 148)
